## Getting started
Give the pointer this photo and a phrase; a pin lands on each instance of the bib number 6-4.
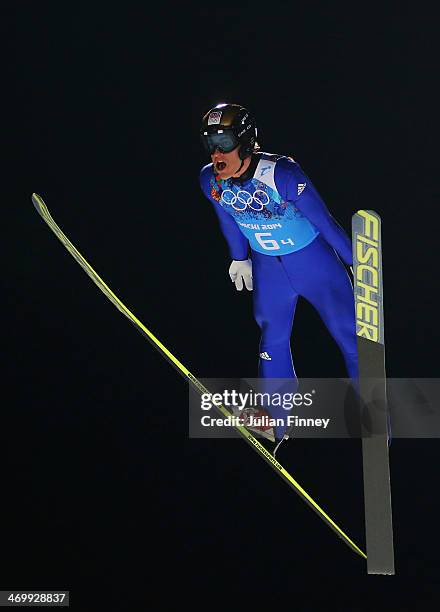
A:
(270, 244)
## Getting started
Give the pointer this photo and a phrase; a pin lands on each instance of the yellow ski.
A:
(261, 450)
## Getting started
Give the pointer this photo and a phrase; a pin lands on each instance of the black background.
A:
(102, 491)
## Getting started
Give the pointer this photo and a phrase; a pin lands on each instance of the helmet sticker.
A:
(214, 117)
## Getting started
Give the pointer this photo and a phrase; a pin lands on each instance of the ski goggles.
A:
(224, 141)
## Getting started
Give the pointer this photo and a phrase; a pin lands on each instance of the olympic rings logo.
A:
(258, 198)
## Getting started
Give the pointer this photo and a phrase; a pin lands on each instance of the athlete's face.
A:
(226, 164)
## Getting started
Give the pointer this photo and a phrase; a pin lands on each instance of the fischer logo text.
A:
(367, 278)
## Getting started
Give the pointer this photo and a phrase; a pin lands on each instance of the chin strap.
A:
(241, 166)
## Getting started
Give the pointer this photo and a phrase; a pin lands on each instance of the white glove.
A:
(240, 271)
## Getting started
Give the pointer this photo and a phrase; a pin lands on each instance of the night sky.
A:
(103, 492)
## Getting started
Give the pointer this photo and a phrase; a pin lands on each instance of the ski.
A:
(244, 433)
(368, 293)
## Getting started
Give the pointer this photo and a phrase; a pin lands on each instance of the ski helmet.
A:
(226, 126)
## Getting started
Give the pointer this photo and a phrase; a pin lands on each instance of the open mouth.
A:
(220, 165)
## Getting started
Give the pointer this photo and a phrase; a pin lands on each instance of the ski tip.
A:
(37, 200)
(363, 212)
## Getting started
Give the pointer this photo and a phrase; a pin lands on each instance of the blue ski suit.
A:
(296, 249)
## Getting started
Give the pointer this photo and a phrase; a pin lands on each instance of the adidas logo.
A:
(266, 356)
(301, 187)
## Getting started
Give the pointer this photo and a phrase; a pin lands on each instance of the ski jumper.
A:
(296, 250)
